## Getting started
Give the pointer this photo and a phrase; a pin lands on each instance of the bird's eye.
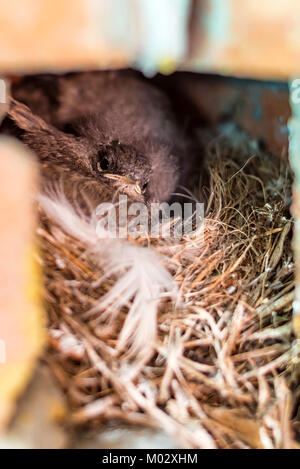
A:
(104, 164)
(69, 128)
(141, 189)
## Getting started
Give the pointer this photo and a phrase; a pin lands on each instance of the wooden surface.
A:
(21, 314)
(40, 35)
(249, 38)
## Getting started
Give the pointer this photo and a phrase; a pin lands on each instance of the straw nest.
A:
(220, 369)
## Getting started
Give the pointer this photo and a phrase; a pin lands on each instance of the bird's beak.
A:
(125, 180)
(138, 189)
(116, 177)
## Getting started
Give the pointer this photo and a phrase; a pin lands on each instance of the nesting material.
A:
(192, 336)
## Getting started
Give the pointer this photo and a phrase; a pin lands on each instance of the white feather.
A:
(141, 277)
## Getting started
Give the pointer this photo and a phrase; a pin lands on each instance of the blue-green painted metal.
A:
(294, 154)
(164, 34)
(155, 31)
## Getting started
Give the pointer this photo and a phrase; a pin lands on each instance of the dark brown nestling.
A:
(105, 124)
(122, 164)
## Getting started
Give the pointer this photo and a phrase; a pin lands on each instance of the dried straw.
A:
(223, 365)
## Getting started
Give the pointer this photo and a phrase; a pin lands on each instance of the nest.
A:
(220, 365)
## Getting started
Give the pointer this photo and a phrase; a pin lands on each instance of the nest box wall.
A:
(253, 38)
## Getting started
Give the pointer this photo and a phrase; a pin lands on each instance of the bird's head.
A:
(129, 170)
(123, 166)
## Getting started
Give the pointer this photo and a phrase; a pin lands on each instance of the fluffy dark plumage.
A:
(104, 123)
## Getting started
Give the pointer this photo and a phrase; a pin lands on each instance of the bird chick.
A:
(108, 124)
(128, 170)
